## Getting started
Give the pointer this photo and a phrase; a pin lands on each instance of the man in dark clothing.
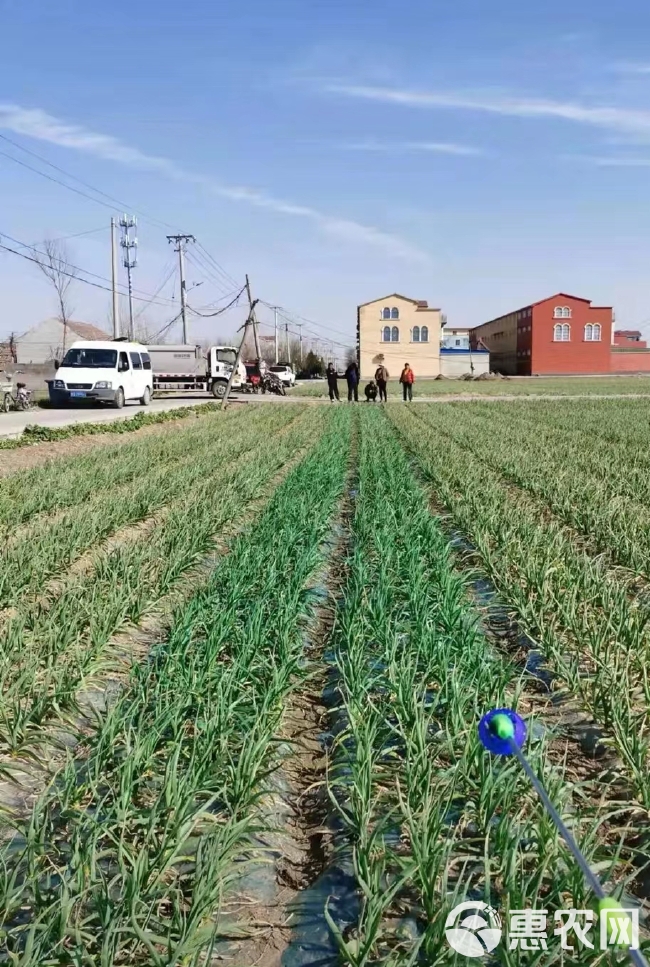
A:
(371, 392)
(382, 377)
(352, 378)
(333, 383)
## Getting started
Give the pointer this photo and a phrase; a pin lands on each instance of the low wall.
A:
(33, 375)
(455, 363)
(630, 361)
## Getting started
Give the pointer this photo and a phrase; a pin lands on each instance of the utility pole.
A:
(130, 245)
(256, 339)
(300, 328)
(275, 327)
(116, 301)
(180, 241)
(286, 333)
(249, 322)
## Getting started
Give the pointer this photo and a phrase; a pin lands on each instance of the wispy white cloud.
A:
(612, 162)
(614, 118)
(37, 124)
(390, 146)
(626, 68)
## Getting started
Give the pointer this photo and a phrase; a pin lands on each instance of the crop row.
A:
(126, 860)
(431, 817)
(153, 478)
(64, 482)
(51, 647)
(595, 637)
(601, 489)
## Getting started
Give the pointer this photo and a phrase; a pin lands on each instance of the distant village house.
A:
(44, 343)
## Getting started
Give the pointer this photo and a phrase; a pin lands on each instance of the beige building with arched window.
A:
(395, 330)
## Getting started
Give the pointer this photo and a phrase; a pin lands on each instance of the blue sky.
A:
(478, 155)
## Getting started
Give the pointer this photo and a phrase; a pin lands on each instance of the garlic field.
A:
(242, 669)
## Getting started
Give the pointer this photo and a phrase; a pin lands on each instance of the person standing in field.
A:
(407, 379)
(352, 378)
(381, 378)
(333, 382)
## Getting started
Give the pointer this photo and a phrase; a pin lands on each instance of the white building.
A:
(454, 338)
(44, 343)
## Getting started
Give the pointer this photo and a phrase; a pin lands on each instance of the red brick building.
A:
(629, 339)
(562, 335)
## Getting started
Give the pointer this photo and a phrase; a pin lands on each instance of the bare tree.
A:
(54, 263)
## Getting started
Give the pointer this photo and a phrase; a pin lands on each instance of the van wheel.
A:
(119, 399)
(219, 389)
(146, 396)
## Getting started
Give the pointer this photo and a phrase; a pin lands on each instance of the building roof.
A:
(563, 295)
(420, 303)
(627, 332)
(531, 305)
(85, 330)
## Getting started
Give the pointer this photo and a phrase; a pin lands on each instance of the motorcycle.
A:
(20, 400)
(270, 383)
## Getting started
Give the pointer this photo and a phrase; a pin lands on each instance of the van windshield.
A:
(90, 358)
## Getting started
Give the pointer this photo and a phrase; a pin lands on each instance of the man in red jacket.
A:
(407, 379)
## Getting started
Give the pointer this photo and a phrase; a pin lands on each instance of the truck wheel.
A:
(219, 388)
(119, 399)
(6, 403)
(146, 396)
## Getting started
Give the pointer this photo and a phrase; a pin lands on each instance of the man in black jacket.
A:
(352, 379)
(333, 383)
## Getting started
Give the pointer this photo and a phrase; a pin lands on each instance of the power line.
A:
(71, 275)
(289, 313)
(314, 334)
(121, 206)
(219, 267)
(64, 238)
(77, 268)
(222, 279)
(208, 273)
(56, 181)
(169, 270)
(208, 315)
(315, 337)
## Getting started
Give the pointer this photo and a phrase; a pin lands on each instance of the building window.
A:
(394, 313)
(562, 312)
(386, 334)
(415, 336)
(386, 313)
(562, 333)
(592, 332)
(458, 342)
(424, 334)
(395, 332)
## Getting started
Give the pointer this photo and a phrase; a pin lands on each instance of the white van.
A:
(103, 372)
